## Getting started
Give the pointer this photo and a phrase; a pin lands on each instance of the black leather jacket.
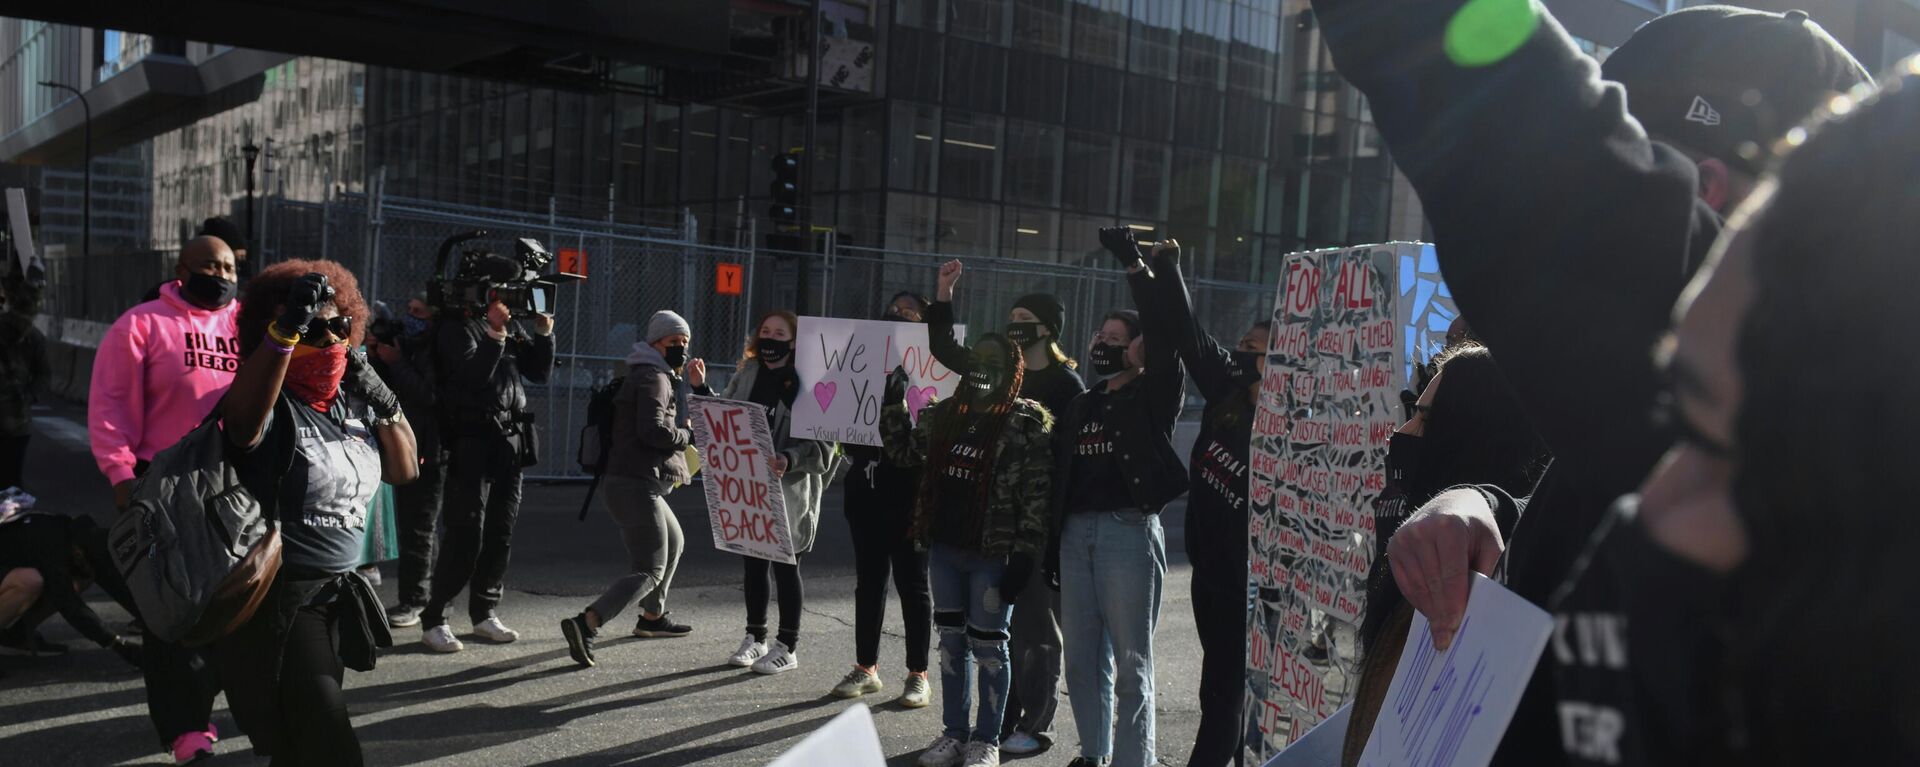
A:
(480, 377)
(1140, 417)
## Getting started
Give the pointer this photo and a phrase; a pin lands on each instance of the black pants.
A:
(181, 684)
(786, 578)
(314, 724)
(880, 545)
(482, 502)
(13, 460)
(418, 516)
(1220, 616)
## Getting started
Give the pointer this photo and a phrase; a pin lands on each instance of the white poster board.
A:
(22, 231)
(850, 740)
(744, 501)
(1347, 324)
(843, 366)
(1449, 708)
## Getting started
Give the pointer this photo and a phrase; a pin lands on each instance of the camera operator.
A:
(487, 435)
(403, 351)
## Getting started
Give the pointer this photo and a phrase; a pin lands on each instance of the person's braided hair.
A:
(952, 421)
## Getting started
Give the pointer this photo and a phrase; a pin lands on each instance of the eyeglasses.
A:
(318, 331)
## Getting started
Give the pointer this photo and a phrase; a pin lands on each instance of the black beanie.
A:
(1728, 81)
(1047, 307)
(226, 230)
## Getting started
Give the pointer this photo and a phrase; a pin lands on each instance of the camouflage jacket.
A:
(1022, 475)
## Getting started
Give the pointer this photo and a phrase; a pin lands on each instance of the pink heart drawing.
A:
(917, 397)
(823, 393)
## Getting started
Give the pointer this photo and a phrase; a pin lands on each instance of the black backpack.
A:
(596, 437)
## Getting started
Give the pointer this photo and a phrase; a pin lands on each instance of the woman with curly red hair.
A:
(314, 465)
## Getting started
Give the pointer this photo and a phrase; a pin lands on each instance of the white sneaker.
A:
(858, 682)
(778, 660)
(943, 752)
(1020, 744)
(917, 693)
(750, 650)
(981, 754)
(441, 639)
(494, 631)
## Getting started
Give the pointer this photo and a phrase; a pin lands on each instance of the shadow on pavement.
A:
(82, 743)
(476, 728)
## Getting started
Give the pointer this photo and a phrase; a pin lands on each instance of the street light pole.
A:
(86, 193)
(252, 153)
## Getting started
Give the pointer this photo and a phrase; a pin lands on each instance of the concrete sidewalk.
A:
(654, 702)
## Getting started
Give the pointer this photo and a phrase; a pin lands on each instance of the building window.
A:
(970, 156)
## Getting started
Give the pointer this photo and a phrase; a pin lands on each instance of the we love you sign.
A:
(843, 366)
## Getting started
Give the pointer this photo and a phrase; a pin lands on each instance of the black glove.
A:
(304, 298)
(1119, 241)
(128, 648)
(1170, 252)
(364, 383)
(1014, 578)
(896, 393)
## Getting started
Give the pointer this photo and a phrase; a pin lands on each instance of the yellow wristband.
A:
(287, 340)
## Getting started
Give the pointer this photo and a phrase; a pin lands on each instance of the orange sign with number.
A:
(573, 261)
(729, 279)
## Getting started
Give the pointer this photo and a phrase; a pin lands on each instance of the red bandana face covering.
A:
(313, 375)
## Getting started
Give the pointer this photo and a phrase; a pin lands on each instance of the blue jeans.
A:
(1112, 567)
(972, 621)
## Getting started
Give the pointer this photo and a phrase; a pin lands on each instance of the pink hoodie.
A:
(160, 369)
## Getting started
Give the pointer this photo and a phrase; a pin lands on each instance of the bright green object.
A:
(1485, 32)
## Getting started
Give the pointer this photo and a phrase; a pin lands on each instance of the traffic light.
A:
(785, 190)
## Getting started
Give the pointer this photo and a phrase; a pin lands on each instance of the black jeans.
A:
(314, 726)
(1220, 617)
(13, 460)
(482, 502)
(786, 578)
(880, 545)
(418, 516)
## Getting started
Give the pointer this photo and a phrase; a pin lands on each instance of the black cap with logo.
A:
(1729, 82)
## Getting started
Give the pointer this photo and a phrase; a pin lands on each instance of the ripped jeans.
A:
(972, 622)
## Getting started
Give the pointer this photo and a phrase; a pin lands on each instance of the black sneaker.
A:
(579, 639)
(29, 644)
(1081, 761)
(649, 628)
(404, 615)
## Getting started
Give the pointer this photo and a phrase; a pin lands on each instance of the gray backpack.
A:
(197, 549)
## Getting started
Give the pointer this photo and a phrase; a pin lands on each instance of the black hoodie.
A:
(1566, 235)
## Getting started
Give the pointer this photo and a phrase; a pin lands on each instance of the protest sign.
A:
(843, 366)
(744, 501)
(1449, 708)
(1339, 356)
(849, 740)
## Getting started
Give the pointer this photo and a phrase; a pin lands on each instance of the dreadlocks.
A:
(989, 414)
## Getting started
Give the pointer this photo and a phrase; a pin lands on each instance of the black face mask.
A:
(207, 291)
(772, 349)
(1108, 359)
(1244, 367)
(1024, 334)
(981, 383)
(676, 356)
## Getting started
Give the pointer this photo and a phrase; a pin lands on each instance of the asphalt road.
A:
(654, 702)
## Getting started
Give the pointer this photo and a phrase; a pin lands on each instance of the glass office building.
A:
(1008, 128)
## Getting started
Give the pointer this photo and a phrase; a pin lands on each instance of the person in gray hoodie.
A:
(648, 459)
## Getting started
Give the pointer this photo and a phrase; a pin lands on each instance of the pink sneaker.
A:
(194, 746)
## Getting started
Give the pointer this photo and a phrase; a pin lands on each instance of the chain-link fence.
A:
(632, 271)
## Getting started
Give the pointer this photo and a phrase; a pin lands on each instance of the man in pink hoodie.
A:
(160, 370)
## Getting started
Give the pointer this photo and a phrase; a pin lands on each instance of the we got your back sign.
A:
(744, 503)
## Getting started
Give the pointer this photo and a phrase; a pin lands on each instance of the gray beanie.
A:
(666, 323)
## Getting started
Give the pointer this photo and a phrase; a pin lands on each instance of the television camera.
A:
(478, 277)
